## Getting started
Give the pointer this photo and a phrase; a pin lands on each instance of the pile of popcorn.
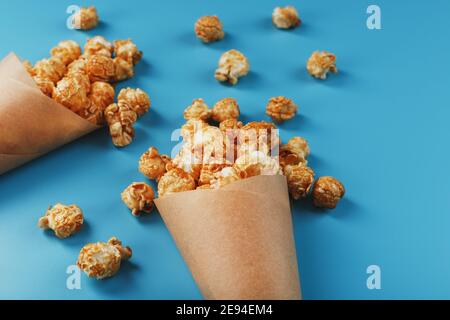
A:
(84, 83)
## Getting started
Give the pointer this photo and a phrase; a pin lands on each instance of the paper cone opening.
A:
(237, 241)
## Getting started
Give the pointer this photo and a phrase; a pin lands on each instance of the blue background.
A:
(380, 125)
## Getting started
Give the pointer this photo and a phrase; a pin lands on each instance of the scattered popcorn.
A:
(45, 85)
(67, 51)
(102, 260)
(197, 110)
(124, 69)
(85, 18)
(281, 109)
(138, 197)
(327, 192)
(294, 152)
(175, 180)
(100, 68)
(152, 164)
(320, 63)
(225, 109)
(232, 65)
(98, 46)
(300, 179)
(120, 118)
(230, 124)
(285, 18)
(72, 93)
(100, 97)
(52, 69)
(63, 220)
(127, 50)
(137, 99)
(209, 29)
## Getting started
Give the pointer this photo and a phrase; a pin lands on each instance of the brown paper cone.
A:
(31, 124)
(237, 241)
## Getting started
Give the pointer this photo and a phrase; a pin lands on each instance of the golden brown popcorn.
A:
(225, 109)
(294, 152)
(192, 126)
(137, 99)
(232, 65)
(261, 135)
(197, 110)
(320, 63)
(208, 145)
(71, 92)
(124, 69)
(102, 260)
(29, 67)
(230, 124)
(225, 176)
(67, 51)
(127, 50)
(63, 220)
(138, 197)
(77, 66)
(120, 118)
(281, 109)
(100, 97)
(85, 19)
(152, 164)
(100, 68)
(209, 29)
(188, 160)
(52, 69)
(45, 85)
(327, 192)
(175, 180)
(98, 46)
(285, 18)
(207, 174)
(257, 163)
(300, 179)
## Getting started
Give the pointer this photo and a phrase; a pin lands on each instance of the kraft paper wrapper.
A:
(31, 124)
(237, 241)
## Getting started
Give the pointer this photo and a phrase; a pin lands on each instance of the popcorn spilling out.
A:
(281, 109)
(152, 164)
(232, 65)
(320, 63)
(85, 19)
(285, 18)
(102, 260)
(63, 220)
(209, 29)
(138, 197)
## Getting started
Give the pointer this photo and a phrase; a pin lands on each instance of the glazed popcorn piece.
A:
(192, 126)
(100, 97)
(98, 45)
(209, 29)
(102, 260)
(45, 85)
(188, 160)
(327, 192)
(100, 68)
(225, 109)
(72, 93)
(294, 152)
(63, 220)
(300, 179)
(230, 124)
(138, 197)
(124, 69)
(52, 69)
(137, 99)
(120, 118)
(257, 163)
(127, 50)
(232, 65)
(67, 51)
(281, 109)
(320, 63)
(86, 18)
(77, 66)
(258, 135)
(208, 172)
(175, 180)
(285, 18)
(224, 177)
(198, 110)
(152, 164)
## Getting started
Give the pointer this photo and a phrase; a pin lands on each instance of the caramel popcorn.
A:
(224, 177)
(52, 69)
(232, 65)
(285, 18)
(281, 109)
(257, 163)
(100, 97)
(188, 160)
(294, 152)
(207, 174)
(152, 164)
(28, 67)
(85, 18)
(45, 85)
(197, 110)
(77, 66)
(100, 68)
(102, 260)
(120, 118)
(98, 46)
(138, 197)
(127, 50)
(137, 99)
(258, 135)
(320, 63)
(175, 180)
(63, 220)
(230, 124)
(225, 109)
(209, 29)
(204, 187)
(71, 92)
(192, 126)
(124, 69)
(67, 51)
(300, 179)
(327, 192)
